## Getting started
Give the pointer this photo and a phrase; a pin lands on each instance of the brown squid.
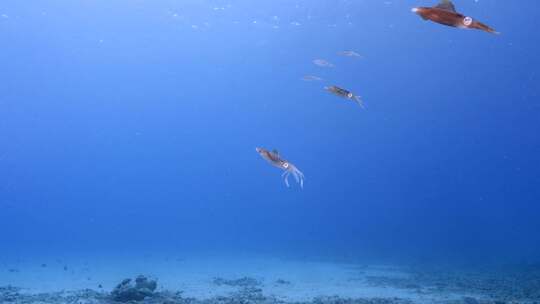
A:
(445, 13)
(345, 94)
(275, 160)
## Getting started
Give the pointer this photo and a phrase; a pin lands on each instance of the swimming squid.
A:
(349, 54)
(345, 94)
(323, 63)
(311, 78)
(445, 13)
(275, 160)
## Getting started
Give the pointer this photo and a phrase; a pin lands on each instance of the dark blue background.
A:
(122, 127)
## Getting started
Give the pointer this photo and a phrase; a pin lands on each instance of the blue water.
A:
(132, 126)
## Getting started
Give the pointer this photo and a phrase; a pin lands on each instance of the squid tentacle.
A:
(298, 176)
(285, 176)
(359, 101)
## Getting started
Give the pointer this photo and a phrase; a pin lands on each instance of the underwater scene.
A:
(269, 152)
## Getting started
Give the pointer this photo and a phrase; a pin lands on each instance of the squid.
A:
(345, 94)
(288, 168)
(349, 54)
(445, 13)
(323, 63)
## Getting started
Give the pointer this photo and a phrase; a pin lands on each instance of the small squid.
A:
(275, 160)
(345, 94)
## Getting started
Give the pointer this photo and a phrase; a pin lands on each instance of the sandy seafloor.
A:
(90, 280)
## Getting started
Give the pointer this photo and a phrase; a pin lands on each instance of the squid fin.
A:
(446, 5)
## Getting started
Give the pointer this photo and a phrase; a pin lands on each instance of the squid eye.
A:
(350, 95)
(285, 165)
(467, 21)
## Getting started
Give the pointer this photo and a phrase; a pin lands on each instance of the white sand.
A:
(194, 276)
